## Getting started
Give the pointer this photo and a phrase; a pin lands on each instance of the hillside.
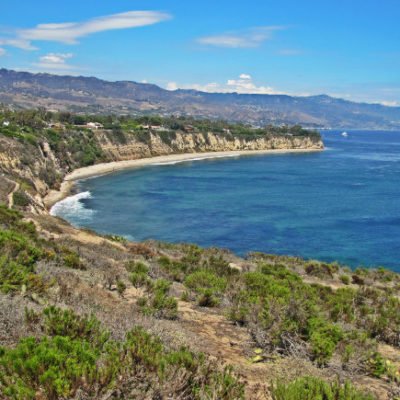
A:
(27, 90)
(85, 316)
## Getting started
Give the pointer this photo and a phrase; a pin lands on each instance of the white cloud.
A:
(2, 52)
(390, 103)
(18, 43)
(249, 38)
(245, 76)
(55, 62)
(56, 58)
(172, 86)
(244, 84)
(70, 32)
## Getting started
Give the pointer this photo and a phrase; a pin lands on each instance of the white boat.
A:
(345, 134)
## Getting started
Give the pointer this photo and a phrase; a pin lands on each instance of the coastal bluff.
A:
(158, 144)
(32, 167)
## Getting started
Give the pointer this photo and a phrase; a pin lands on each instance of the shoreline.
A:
(54, 196)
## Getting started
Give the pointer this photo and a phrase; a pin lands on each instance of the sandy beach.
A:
(55, 196)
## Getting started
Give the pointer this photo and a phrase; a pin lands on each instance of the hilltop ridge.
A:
(93, 95)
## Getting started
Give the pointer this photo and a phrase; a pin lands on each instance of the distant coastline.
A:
(54, 196)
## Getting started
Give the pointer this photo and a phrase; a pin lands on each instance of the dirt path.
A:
(222, 340)
(11, 195)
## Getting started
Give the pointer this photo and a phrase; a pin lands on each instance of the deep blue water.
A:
(341, 204)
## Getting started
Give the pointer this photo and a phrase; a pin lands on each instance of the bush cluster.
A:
(77, 354)
(312, 388)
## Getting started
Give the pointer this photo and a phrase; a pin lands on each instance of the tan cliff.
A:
(156, 145)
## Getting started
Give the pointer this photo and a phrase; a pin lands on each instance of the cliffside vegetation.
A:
(27, 124)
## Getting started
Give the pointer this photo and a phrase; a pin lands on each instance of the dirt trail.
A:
(11, 195)
(220, 339)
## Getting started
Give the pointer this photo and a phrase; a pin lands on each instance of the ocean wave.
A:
(195, 159)
(72, 208)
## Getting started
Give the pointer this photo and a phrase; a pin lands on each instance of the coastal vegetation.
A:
(76, 354)
(27, 125)
(310, 388)
(292, 309)
(89, 316)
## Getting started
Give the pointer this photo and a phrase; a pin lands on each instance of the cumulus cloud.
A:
(244, 84)
(249, 38)
(55, 62)
(71, 32)
(245, 76)
(56, 58)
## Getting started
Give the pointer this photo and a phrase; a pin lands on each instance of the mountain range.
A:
(93, 95)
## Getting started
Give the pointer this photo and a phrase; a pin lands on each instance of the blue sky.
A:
(348, 49)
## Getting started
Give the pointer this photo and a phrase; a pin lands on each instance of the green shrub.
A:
(121, 287)
(345, 279)
(71, 259)
(139, 274)
(21, 199)
(59, 322)
(137, 267)
(139, 279)
(159, 303)
(57, 366)
(174, 270)
(207, 285)
(324, 338)
(19, 255)
(78, 356)
(312, 388)
(321, 270)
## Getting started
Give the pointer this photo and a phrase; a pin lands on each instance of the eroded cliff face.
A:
(157, 145)
(29, 171)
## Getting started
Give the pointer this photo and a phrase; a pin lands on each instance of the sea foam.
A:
(72, 207)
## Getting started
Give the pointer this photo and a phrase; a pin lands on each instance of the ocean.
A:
(342, 204)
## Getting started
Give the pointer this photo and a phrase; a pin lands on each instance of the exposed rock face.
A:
(198, 143)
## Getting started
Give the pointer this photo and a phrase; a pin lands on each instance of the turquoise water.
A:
(341, 204)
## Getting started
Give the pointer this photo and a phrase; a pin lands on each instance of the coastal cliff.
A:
(34, 166)
(179, 142)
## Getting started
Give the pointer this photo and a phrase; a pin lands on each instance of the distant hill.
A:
(89, 94)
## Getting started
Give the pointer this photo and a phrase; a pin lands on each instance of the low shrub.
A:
(312, 388)
(21, 199)
(208, 286)
(345, 279)
(71, 259)
(78, 356)
(55, 366)
(158, 303)
(321, 270)
(324, 338)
